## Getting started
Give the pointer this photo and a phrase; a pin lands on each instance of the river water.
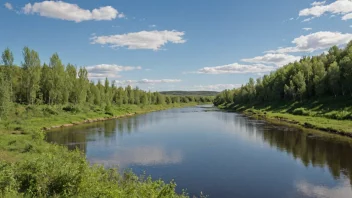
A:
(218, 153)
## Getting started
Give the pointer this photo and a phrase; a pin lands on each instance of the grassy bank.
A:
(332, 115)
(31, 167)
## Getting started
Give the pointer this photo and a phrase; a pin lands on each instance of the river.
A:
(218, 153)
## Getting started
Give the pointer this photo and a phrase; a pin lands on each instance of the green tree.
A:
(333, 78)
(31, 74)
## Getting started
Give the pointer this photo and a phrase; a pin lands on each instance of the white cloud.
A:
(8, 6)
(152, 26)
(141, 40)
(307, 29)
(121, 15)
(70, 12)
(147, 81)
(108, 70)
(273, 59)
(236, 68)
(315, 41)
(340, 7)
(318, 3)
(291, 19)
(308, 19)
(347, 17)
(215, 87)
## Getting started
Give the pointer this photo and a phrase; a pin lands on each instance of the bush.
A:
(339, 115)
(71, 109)
(48, 110)
(59, 173)
(108, 111)
(301, 111)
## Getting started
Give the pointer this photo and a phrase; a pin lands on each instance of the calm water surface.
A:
(221, 154)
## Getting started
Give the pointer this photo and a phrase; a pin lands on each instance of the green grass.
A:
(328, 114)
(31, 167)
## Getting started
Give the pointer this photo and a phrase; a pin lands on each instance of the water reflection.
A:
(144, 155)
(318, 151)
(342, 190)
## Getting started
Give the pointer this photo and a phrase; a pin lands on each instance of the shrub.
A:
(301, 111)
(71, 109)
(50, 111)
(108, 111)
(339, 115)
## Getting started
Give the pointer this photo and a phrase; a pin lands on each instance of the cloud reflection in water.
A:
(144, 155)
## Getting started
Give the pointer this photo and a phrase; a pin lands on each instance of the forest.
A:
(318, 86)
(34, 83)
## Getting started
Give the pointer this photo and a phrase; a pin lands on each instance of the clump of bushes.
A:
(339, 115)
(71, 108)
(59, 173)
(109, 111)
(301, 111)
(50, 111)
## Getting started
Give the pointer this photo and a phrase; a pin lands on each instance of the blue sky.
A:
(175, 45)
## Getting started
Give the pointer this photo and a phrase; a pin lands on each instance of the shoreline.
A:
(281, 120)
(99, 119)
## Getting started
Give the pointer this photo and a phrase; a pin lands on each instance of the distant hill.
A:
(190, 93)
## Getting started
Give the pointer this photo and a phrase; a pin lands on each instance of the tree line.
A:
(33, 83)
(328, 74)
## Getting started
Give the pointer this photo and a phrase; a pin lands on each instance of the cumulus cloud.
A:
(108, 70)
(340, 7)
(70, 12)
(235, 68)
(214, 87)
(318, 3)
(307, 29)
(315, 41)
(308, 19)
(347, 17)
(8, 6)
(153, 40)
(273, 59)
(147, 81)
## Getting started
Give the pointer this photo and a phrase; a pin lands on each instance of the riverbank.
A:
(29, 166)
(318, 115)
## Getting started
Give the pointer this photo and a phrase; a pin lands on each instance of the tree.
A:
(83, 85)
(57, 78)
(346, 71)
(71, 84)
(45, 83)
(318, 79)
(5, 96)
(333, 78)
(31, 74)
(7, 57)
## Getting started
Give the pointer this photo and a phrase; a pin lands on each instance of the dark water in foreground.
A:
(221, 154)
